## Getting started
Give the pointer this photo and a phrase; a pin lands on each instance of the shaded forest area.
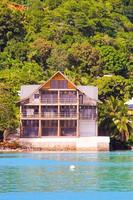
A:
(91, 41)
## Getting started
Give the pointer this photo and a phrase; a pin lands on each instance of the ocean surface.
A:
(48, 176)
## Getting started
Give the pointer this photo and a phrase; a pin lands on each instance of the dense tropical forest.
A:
(91, 41)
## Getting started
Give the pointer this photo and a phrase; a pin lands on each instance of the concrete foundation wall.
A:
(95, 143)
(87, 128)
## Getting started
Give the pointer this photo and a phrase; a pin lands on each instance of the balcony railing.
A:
(68, 100)
(60, 115)
(50, 115)
(30, 115)
(68, 115)
(49, 100)
(60, 100)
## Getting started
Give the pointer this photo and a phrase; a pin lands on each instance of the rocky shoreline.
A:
(15, 146)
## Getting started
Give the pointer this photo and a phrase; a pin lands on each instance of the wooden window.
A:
(68, 111)
(36, 96)
(68, 127)
(68, 96)
(81, 99)
(62, 84)
(59, 84)
(87, 112)
(30, 128)
(49, 97)
(49, 127)
(50, 123)
(54, 84)
(32, 123)
(68, 123)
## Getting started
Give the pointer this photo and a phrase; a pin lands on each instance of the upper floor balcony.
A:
(50, 115)
(57, 112)
(59, 101)
(61, 115)
(59, 97)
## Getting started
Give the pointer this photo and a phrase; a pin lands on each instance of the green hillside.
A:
(86, 39)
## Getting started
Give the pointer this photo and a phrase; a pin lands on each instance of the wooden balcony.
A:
(59, 101)
(50, 115)
(68, 115)
(49, 100)
(62, 115)
(68, 100)
(27, 115)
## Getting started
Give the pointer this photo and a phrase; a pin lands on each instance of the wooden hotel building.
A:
(58, 112)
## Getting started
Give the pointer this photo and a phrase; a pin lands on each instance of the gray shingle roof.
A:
(27, 90)
(89, 91)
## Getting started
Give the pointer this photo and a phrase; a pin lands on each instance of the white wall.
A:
(87, 128)
(99, 143)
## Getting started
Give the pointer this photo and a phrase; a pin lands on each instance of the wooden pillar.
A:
(58, 129)
(78, 134)
(20, 121)
(40, 128)
(96, 122)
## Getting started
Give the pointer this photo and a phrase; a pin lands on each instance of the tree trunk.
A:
(5, 134)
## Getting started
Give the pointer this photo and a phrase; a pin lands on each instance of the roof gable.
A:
(58, 76)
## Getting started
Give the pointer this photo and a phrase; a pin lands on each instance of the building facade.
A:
(58, 108)
(60, 115)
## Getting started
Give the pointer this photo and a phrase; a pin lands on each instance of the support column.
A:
(20, 121)
(39, 130)
(96, 122)
(58, 130)
(78, 134)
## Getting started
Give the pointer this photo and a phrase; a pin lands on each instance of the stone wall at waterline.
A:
(67, 143)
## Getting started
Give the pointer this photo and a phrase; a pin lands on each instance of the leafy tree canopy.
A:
(85, 39)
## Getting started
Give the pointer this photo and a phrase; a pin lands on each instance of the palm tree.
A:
(117, 113)
(124, 127)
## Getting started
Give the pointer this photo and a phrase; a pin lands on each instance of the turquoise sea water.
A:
(42, 176)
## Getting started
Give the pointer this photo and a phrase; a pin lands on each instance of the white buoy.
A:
(72, 167)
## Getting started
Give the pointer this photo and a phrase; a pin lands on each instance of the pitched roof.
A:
(89, 91)
(40, 86)
(58, 72)
(27, 90)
